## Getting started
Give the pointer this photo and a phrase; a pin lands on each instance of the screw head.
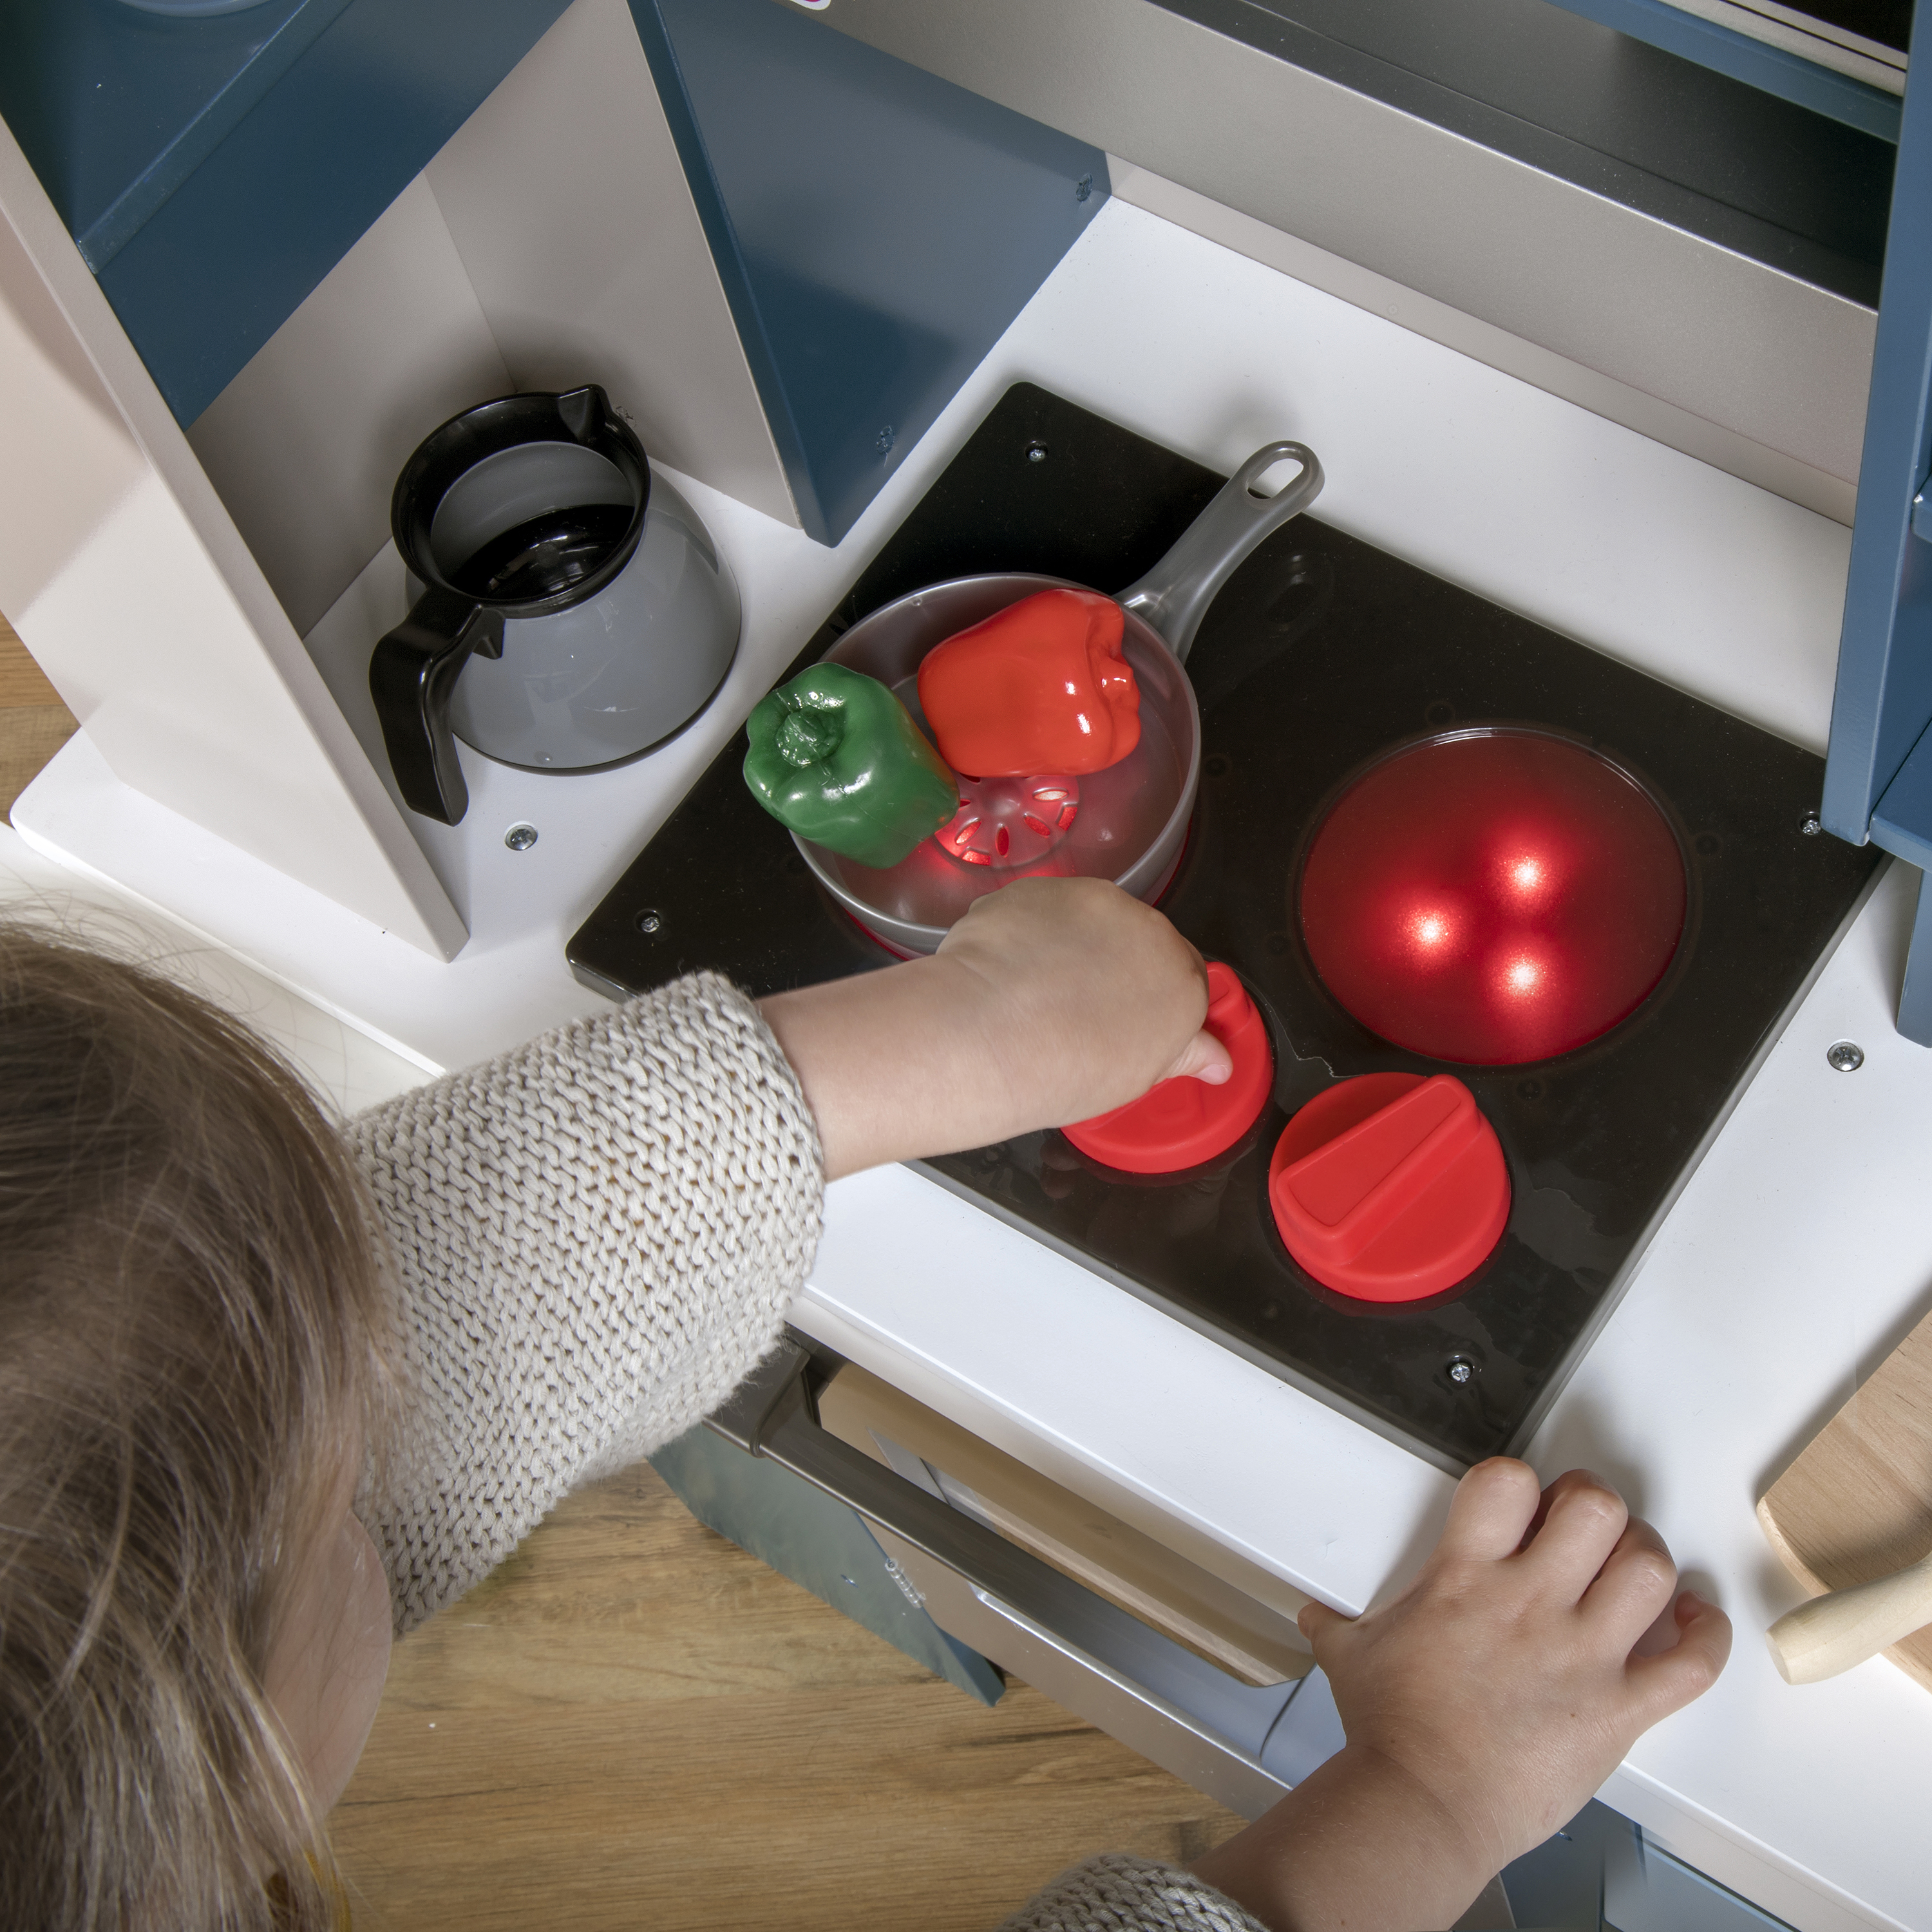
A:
(1811, 825)
(1035, 452)
(521, 837)
(1845, 1056)
(648, 922)
(1460, 1370)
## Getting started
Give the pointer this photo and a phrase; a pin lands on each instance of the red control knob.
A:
(1183, 1122)
(1390, 1187)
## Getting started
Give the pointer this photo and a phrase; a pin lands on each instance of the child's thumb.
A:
(1317, 1621)
(1204, 1058)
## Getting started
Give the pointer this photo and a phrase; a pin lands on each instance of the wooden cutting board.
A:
(1857, 1504)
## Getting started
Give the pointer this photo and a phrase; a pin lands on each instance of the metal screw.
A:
(1083, 189)
(648, 922)
(883, 441)
(1035, 452)
(521, 837)
(1846, 1056)
(1461, 1371)
(1811, 825)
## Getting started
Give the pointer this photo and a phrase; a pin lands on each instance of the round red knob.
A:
(1390, 1187)
(1181, 1122)
(1493, 897)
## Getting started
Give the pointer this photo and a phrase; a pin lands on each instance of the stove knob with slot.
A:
(1390, 1187)
(1180, 1123)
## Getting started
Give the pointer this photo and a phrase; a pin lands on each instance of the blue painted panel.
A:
(1901, 821)
(115, 108)
(877, 229)
(1883, 701)
(1770, 69)
(253, 166)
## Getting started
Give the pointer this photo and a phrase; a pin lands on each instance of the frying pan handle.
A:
(1174, 596)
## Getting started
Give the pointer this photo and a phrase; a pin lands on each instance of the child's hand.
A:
(1482, 1707)
(1090, 997)
(1504, 1679)
(1051, 1000)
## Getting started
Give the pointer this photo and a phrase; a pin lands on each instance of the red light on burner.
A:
(1492, 898)
(1430, 932)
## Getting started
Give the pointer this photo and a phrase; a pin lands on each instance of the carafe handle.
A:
(413, 677)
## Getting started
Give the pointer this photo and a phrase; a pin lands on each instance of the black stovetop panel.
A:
(1322, 651)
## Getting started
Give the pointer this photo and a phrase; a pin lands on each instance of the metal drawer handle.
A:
(770, 1413)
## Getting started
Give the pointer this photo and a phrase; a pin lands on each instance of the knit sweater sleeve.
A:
(594, 1238)
(1118, 1893)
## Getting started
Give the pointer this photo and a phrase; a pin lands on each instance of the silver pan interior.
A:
(1133, 816)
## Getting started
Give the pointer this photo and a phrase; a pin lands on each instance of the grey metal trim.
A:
(1140, 1685)
(1602, 395)
(1799, 32)
(1758, 58)
(1061, 1666)
(1756, 351)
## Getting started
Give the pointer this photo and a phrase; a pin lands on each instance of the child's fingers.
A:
(1320, 1624)
(1562, 1486)
(1583, 1517)
(1637, 1580)
(1204, 1058)
(1491, 1510)
(1672, 1679)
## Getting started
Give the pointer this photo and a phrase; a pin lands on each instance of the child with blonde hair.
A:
(272, 1389)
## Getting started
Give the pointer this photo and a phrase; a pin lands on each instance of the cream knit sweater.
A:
(595, 1237)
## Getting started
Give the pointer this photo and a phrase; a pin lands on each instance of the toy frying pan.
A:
(1127, 823)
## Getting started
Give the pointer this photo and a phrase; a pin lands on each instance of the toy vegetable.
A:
(837, 757)
(1042, 687)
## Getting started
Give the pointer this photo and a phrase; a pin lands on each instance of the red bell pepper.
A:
(1042, 687)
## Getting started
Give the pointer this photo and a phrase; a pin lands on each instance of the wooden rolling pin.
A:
(1830, 1633)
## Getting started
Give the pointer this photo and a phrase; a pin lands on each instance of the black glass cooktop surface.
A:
(1321, 652)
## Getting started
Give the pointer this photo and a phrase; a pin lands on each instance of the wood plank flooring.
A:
(633, 1724)
(34, 723)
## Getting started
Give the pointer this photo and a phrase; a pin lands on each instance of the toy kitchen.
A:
(1539, 763)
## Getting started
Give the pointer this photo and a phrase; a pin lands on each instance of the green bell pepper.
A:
(837, 757)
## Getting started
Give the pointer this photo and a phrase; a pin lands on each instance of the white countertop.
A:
(1799, 1254)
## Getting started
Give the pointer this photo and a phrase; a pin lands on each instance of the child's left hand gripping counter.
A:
(1482, 1707)
(1053, 999)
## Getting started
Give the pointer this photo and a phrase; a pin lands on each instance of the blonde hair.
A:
(192, 1322)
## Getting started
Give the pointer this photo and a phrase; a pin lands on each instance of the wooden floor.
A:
(633, 1724)
(34, 723)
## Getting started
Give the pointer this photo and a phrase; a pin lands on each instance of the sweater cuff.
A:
(1118, 1893)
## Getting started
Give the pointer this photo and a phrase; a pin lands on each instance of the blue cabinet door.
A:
(1878, 777)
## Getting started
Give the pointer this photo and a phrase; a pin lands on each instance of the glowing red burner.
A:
(1492, 898)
